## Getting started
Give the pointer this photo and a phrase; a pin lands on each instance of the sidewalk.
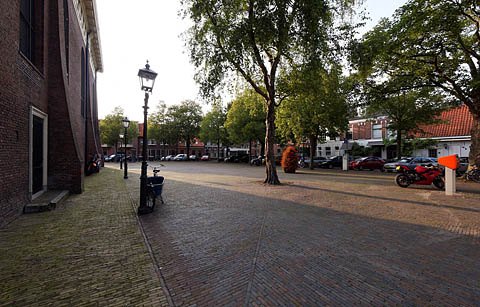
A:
(89, 251)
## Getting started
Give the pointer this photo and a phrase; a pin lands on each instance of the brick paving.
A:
(89, 251)
(329, 238)
(222, 238)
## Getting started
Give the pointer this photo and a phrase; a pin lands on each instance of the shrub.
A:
(289, 160)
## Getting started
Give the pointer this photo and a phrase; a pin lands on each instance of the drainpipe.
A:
(87, 102)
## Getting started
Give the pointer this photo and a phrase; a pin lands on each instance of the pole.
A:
(125, 175)
(142, 209)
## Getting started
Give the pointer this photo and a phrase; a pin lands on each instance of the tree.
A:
(185, 119)
(256, 40)
(111, 127)
(212, 127)
(161, 128)
(437, 44)
(246, 119)
(318, 107)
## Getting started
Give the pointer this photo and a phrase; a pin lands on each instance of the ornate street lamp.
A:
(147, 80)
(126, 124)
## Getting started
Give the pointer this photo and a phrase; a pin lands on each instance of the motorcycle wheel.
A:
(402, 180)
(439, 183)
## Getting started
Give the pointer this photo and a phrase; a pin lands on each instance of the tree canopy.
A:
(111, 127)
(257, 40)
(185, 118)
(318, 107)
(212, 127)
(246, 118)
(434, 43)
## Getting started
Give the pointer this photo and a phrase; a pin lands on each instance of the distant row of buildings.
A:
(452, 136)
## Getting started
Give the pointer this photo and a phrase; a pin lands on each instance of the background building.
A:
(48, 105)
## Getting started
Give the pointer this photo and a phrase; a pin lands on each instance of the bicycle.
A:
(473, 174)
(154, 188)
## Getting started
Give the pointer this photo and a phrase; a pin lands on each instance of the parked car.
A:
(410, 162)
(306, 163)
(370, 163)
(260, 160)
(332, 162)
(193, 157)
(110, 158)
(180, 157)
(236, 158)
(205, 158)
(169, 158)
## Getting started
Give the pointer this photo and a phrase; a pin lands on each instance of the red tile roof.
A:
(456, 122)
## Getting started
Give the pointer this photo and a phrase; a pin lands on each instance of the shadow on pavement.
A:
(219, 247)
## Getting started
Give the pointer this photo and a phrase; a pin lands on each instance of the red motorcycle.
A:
(420, 175)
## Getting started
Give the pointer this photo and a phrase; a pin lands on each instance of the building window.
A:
(66, 29)
(328, 151)
(27, 31)
(377, 131)
(337, 148)
(82, 82)
(432, 152)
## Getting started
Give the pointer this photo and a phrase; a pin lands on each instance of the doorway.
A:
(38, 153)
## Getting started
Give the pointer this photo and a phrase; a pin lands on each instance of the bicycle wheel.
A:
(151, 197)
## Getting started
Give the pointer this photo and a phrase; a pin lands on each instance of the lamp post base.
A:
(143, 210)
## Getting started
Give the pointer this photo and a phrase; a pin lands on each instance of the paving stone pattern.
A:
(89, 251)
(228, 240)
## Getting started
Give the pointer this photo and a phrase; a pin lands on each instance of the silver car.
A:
(410, 163)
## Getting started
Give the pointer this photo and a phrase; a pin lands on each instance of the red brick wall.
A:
(50, 89)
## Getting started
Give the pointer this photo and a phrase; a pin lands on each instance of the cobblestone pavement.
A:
(321, 238)
(89, 251)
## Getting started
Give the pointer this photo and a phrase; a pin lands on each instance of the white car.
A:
(193, 157)
(180, 157)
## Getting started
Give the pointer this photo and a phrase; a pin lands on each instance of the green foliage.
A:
(431, 44)
(258, 39)
(212, 127)
(111, 127)
(318, 105)
(161, 127)
(360, 151)
(246, 118)
(184, 120)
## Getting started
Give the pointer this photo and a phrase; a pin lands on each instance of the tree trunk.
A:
(218, 150)
(474, 157)
(272, 177)
(188, 148)
(313, 149)
(399, 144)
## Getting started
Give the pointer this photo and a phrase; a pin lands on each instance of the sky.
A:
(150, 30)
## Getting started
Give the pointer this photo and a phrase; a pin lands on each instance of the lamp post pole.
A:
(143, 178)
(125, 175)
(121, 137)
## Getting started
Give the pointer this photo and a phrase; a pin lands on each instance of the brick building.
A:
(452, 136)
(48, 108)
